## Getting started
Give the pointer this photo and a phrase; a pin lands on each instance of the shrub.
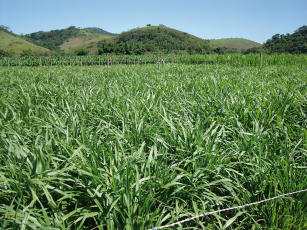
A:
(82, 52)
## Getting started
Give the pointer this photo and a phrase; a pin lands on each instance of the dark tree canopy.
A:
(155, 39)
(54, 38)
(82, 52)
(288, 43)
(4, 53)
(5, 28)
(27, 53)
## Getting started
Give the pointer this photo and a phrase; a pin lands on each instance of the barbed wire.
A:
(227, 209)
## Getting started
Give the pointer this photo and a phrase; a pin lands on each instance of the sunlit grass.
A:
(134, 147)
(236, 60)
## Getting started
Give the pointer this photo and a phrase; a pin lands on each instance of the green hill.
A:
(81, 41)
(288, 43)
(67, 40)
(98, 31)
(239, 44)
(16, 45)
(150, 39)
(154, 39)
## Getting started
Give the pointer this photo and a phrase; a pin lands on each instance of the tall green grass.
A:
(227, 59)
(131, 147)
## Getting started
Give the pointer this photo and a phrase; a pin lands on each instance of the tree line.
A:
(295, 43)
(161, 39)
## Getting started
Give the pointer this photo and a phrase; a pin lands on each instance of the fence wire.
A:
(226, 209)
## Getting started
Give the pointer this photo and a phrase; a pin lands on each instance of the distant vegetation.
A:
(106, 46)
(288, 43)
(295, 43)
(12, 44)
(98, 31)
(54, 38)
(154, 39)
(68, 41)
(4, 53)
(147, 40)
(235, 44)
(82, 52)
(5, 28)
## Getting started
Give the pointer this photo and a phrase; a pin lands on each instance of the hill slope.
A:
(240, 44)
(289, 43)
(154, 39)
(82, 40)
(69, 39)
(16, 44)
(98, 31)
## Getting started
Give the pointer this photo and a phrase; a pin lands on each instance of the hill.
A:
(154, 39)
(84, 39)
(67, 40)
(150, 39)
(288, 43)
(239, 44)
(16, 45)
(98, 31)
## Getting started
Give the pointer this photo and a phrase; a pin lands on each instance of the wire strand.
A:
(227, 209)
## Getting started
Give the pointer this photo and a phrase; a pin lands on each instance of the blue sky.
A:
(256, 20)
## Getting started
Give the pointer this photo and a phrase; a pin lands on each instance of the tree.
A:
(54, 38)
(302, 29)
(82, 52)
(253, 50)
(288, 43)
(276, 36)
(4, 53)
(26, 53)
(5, 28)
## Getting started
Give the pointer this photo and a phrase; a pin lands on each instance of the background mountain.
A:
(98, 31)
(149, 39)
(239, 44)
(68, 40)
(288, 43)
(12, 44)
(154, 39)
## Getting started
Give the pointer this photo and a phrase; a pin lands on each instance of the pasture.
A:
(134, 146)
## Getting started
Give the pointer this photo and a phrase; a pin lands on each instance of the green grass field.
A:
(131, 147)
(235, 60)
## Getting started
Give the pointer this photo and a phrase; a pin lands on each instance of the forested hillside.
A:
(98, 31)
(150, 39)
(15, 45)
(52, 39)
(155, 39)
(238, 44)
(288, 43)
(68, 39)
